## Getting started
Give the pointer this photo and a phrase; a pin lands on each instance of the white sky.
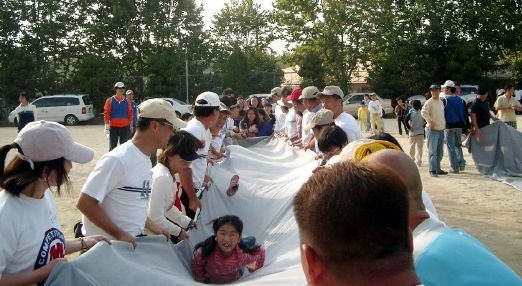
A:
(212, 7)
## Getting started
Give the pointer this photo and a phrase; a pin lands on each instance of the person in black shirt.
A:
(480, 112)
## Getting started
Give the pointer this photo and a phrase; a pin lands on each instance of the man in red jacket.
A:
(117, 114)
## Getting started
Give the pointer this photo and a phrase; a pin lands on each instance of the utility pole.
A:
(186, 75)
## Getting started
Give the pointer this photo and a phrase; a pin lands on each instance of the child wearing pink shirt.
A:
(220, 258)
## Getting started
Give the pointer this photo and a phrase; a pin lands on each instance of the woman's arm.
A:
(31, 276)
(160, 200)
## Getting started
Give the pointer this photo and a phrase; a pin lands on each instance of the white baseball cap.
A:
(207, 98)
(448, 83)
(119, 84)
(45, 141)
(157, 108)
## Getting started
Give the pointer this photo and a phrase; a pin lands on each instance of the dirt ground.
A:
(487, 209)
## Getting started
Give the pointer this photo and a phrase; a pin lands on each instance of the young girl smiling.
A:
(220, 258)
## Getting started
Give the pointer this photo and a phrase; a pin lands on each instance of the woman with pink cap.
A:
(31, 239)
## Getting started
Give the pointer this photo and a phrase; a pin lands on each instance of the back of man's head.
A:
(404, 167)
(353, 219)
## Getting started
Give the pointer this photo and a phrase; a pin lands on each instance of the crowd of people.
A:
(374, 192)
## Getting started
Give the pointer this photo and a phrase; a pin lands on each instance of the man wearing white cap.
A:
(117, 114)
(332, 99)
(457, 121)
(114, 199)
(312, 105)
(206, 112)
(277, 102)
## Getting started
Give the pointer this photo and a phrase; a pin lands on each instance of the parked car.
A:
(352, 102)
(419, 97)
(179, 106)
(65, 108)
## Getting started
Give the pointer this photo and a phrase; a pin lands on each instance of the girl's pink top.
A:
(218, 270)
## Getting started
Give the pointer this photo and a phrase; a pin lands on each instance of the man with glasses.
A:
(117, 114)
(114, 199)
(332, 99)
(206, 113)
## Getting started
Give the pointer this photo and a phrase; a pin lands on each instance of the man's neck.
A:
(24, 104)
(206, 121)
(143, 142)
(417, 217)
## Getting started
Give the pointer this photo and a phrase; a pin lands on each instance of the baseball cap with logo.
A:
(45, 141)
(500, 92)
(309, 92)
(223, 107)
(119, 84)
(448, 83)
(331, 90)
(157, 108)
(129, 91)
(208, 98)
(321, 117)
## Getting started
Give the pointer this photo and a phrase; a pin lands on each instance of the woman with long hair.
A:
(31, 240)
(250, 123)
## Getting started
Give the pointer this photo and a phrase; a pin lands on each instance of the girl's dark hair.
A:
(331, 136)
(386, 137)
(204, 111)
(256, 120)
(416, 104)
(258, 102)
(180, 143)
(185, 116)
(17, 175)
(208, 245)
(261, 111)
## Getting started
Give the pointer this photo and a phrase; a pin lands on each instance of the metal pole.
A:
(186, 75)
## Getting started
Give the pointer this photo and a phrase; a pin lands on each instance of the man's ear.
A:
(312, 264)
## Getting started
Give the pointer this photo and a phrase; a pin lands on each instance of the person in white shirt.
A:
(275, 94)
(114, 199)
(165, 208)
(332, 99)
(206, 111)
(375, 108)
(31, 239)
(312, 105)
(25, 112)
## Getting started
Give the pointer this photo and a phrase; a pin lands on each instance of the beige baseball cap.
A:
(321, 117)
(309, 92)
(332, 90)
(276, 91)
(157, 108)
(45, 141)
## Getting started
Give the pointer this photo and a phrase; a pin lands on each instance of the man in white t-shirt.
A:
(332, 99)
(114, 199)
(312, 105)
(375, 108)
(206, 113)
(275, 94)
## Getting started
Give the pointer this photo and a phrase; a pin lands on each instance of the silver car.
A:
(352, 102)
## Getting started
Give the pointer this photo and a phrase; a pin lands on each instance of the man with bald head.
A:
(443, 256)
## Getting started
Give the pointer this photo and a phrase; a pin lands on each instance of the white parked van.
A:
(67, 108)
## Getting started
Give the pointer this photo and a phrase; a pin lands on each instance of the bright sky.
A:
(212, 7)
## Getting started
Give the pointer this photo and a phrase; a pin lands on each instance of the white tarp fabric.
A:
(498, 153)
(270, 174)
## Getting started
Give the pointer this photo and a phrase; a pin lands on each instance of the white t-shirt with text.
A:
(121, 183)
(30, 232)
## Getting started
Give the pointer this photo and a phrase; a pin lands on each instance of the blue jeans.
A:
(453, 141)
(435, 145)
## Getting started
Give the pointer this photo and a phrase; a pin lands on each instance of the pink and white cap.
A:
(44, 141)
